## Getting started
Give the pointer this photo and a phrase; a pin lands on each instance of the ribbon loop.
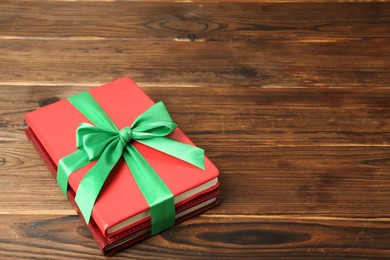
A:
(154, 122)
(92, 140)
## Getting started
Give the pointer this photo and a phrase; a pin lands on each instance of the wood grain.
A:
(286, 45)
(252, 117)
(279, 64)
(61, 237)
(207, 21)
(291, 101)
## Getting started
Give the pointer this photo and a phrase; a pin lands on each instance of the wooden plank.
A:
(286, 45)
(58, 237)
(231, 21)
(221, 118)
(314, 181)
(273, 64)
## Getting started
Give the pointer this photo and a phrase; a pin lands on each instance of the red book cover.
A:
(120, 205)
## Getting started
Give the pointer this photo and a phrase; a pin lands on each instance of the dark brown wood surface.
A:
(290, 100)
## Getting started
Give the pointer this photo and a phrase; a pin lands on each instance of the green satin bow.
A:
(105, 143)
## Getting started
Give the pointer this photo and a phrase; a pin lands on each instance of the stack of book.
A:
(121, 215)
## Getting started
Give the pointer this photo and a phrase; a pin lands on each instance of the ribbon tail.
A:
(157, 194)
(67, 165)
(185, 152)
(92, 182)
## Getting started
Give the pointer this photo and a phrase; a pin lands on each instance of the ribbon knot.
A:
(125, 135)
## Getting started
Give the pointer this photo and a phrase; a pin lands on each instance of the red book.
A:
(120, 216)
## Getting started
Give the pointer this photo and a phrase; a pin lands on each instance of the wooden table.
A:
(290, 100)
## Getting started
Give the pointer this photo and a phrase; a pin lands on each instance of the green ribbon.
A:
(106, 144)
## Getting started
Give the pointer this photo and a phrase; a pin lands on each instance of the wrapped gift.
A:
(125, 166)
